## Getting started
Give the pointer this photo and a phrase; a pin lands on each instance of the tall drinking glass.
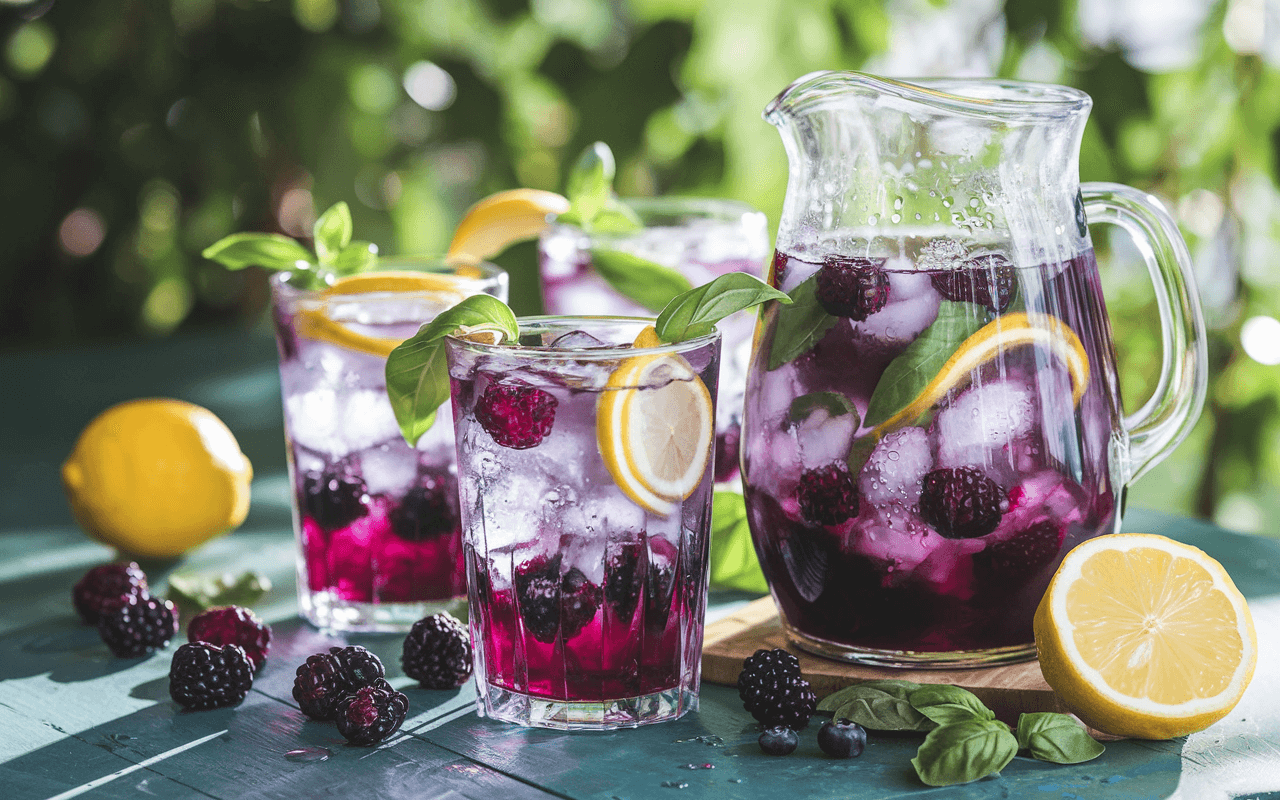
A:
(379, 539)
(585, 470)
(701, 238)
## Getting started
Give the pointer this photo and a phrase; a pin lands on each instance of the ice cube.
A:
(367, 420)
(823, 438)
(587, 553)
(981, 427)
(942, 253)
(388, 469)
(912, 307)
(577, 340)
(896, 467)
(312, 421)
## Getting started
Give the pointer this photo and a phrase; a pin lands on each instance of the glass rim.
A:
(473, 277)
(716, 209)
(518, 351)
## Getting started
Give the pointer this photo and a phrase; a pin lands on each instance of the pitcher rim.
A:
(1012, 100)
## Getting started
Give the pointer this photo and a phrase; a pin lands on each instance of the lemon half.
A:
(1143, 636)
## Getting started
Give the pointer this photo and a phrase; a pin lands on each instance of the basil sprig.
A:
(695, 312)
(336, 253)
(965, 741)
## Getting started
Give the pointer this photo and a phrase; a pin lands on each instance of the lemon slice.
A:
(316, 323)
(1002, 333)
(500, 220)
(1144, 636)
(655, 442)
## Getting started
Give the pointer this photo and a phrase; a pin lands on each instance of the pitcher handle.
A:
(1168, 416)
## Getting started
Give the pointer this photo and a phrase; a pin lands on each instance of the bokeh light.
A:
(1260, 338)
(81, 232)
(430, 86)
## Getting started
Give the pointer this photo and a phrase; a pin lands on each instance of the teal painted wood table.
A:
(74, 721)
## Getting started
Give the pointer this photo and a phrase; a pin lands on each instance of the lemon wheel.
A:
(502, 219)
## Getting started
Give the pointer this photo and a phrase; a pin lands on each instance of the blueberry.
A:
(842, 739)
(779, 741)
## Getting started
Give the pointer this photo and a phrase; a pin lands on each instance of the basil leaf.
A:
(332, 232)
(733, 556)
(896, 688)
(799, 326)
(964, 752)
(909, 373)
(649, 284)
(590, 185)
(1057, 738)
(947, 704)
(834, 403)
(881, 708)
(198, 592)
(355, 258)
(696, 312)
(417, 375)
(267, 250)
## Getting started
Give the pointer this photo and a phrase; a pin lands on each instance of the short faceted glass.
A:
(379, 536)
(701, 238)
(587, 600)
(935, 420)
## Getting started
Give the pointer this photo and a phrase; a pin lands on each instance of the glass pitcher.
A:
(935, 420)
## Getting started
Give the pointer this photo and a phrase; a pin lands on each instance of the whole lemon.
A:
(156, 477)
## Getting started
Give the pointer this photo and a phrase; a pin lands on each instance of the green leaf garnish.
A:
(268, 250)
(882, 705)
(355, 258)
(649, 284)
(616, 217)
(1056, 738)
(198, 592)
(733, 557)
(332, 232)
(964, 752)
(833, 403)
(800, 325)
(909, 373)
(417, 375)
(590, 185)
(695, 312)
(945, 704)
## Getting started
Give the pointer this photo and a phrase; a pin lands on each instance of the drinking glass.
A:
(379, 539)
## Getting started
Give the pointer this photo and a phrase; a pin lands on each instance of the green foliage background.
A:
(158, 126)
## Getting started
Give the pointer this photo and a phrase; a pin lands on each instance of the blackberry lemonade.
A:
(698, 237)
(927, 434)
(377, 521)
(586, 549)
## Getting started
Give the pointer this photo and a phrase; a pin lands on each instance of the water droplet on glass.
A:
(947, 201)
(309, 755)
(973, 202)
(897, 203)
(895, 219)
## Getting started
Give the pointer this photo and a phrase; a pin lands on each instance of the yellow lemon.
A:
(1143, 636)
(1002, 333)
(500, 220)
(156, 477)
(655, 426)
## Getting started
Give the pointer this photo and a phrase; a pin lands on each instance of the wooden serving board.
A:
(1007, 690)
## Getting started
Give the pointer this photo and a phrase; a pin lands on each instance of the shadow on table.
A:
(64, 647)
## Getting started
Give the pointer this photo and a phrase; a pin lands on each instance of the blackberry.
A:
(324, 678)
(842, 738)
(371, 713)
(437, 652)
(988, 280)
(961, 502)
(550, 603)
(779, 272)
(204, 675)
(852, 287)
(828, 495)
(1021, 556)
(428, 509)
(140, 625)
(658, 586)
(334, 500)
(104, 587)
(233, 625)
(779, 741)
(516, 416)
(623, 579)
(774, 692)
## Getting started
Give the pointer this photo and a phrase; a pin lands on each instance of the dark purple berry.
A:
(842, 738)
(1018, 558)
(853, 287)
(727, 453)
(104, 588)
(828, 495)
(657, 595)
(779, 741)
(359, 666)
(204, 675)
(773, 691)
(140, 625)
(437, 652)
(962, 502)
(233, 625)
(334, 500)
(623, 578)
(516, 416)
(371, 713)
(429, 509)
(551, 604)
(988, 280)
(325, 678)
(779, 272)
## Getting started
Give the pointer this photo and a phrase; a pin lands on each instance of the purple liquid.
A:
(883, 577)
